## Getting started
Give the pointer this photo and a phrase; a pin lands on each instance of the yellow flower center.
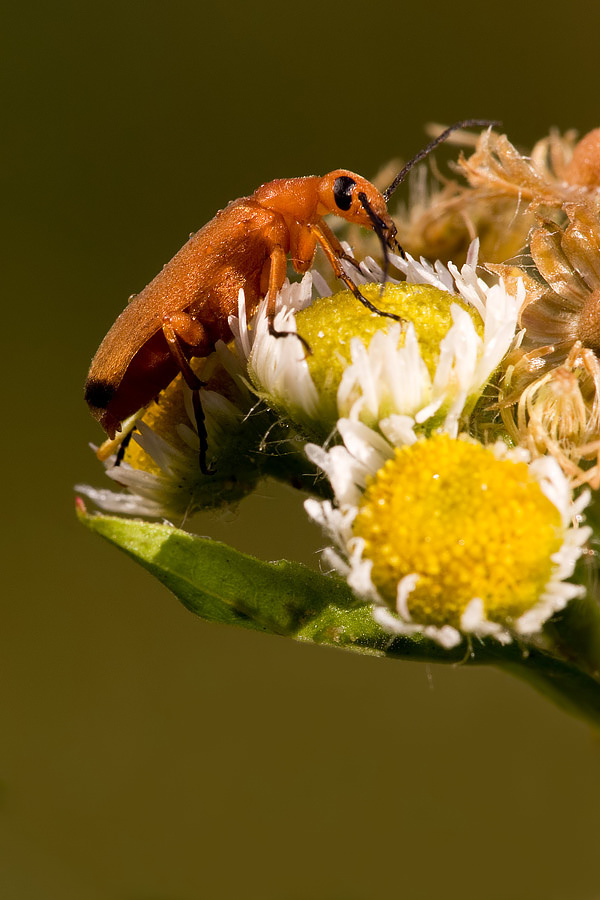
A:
(468, 524)
(330, 323)
(163, 418)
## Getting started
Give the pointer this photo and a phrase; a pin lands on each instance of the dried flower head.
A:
(548, 177)
(559, 413)
(551, 386)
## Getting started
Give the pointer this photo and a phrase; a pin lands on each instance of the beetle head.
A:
(356, 200)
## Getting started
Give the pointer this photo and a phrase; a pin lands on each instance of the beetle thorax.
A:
(294, 198)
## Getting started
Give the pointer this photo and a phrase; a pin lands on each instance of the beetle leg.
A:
(335, 244)
(334, 261)
(277, 273)
(182, 327)
(123, 447)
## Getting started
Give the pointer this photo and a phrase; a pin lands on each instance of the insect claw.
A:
(279, 334)
(204, 468)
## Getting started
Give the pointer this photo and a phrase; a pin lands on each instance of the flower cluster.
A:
(448, 428)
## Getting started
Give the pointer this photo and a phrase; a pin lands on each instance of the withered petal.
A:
(546, 248)
(549, 321)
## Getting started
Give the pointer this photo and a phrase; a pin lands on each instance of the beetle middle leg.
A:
(276, 269)
(179, 328)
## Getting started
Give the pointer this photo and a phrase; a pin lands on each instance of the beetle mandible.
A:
(184, 310)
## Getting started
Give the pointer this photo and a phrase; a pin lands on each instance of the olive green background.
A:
(144, 754)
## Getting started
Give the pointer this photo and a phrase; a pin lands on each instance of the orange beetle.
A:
(184, 311)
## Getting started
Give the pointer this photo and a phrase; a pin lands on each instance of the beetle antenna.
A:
(466, 123)
(378, 227)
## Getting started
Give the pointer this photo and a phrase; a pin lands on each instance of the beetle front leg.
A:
(335, 245)
(182, 327)
(329, 251)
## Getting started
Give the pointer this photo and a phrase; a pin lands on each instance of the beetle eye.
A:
(342, 191)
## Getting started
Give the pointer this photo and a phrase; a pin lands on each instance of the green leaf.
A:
(221, 584)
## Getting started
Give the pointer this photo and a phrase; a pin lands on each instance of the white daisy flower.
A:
(363, 366)
(446, 537)
(160, 470)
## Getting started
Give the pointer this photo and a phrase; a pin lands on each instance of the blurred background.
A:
(146, 755)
